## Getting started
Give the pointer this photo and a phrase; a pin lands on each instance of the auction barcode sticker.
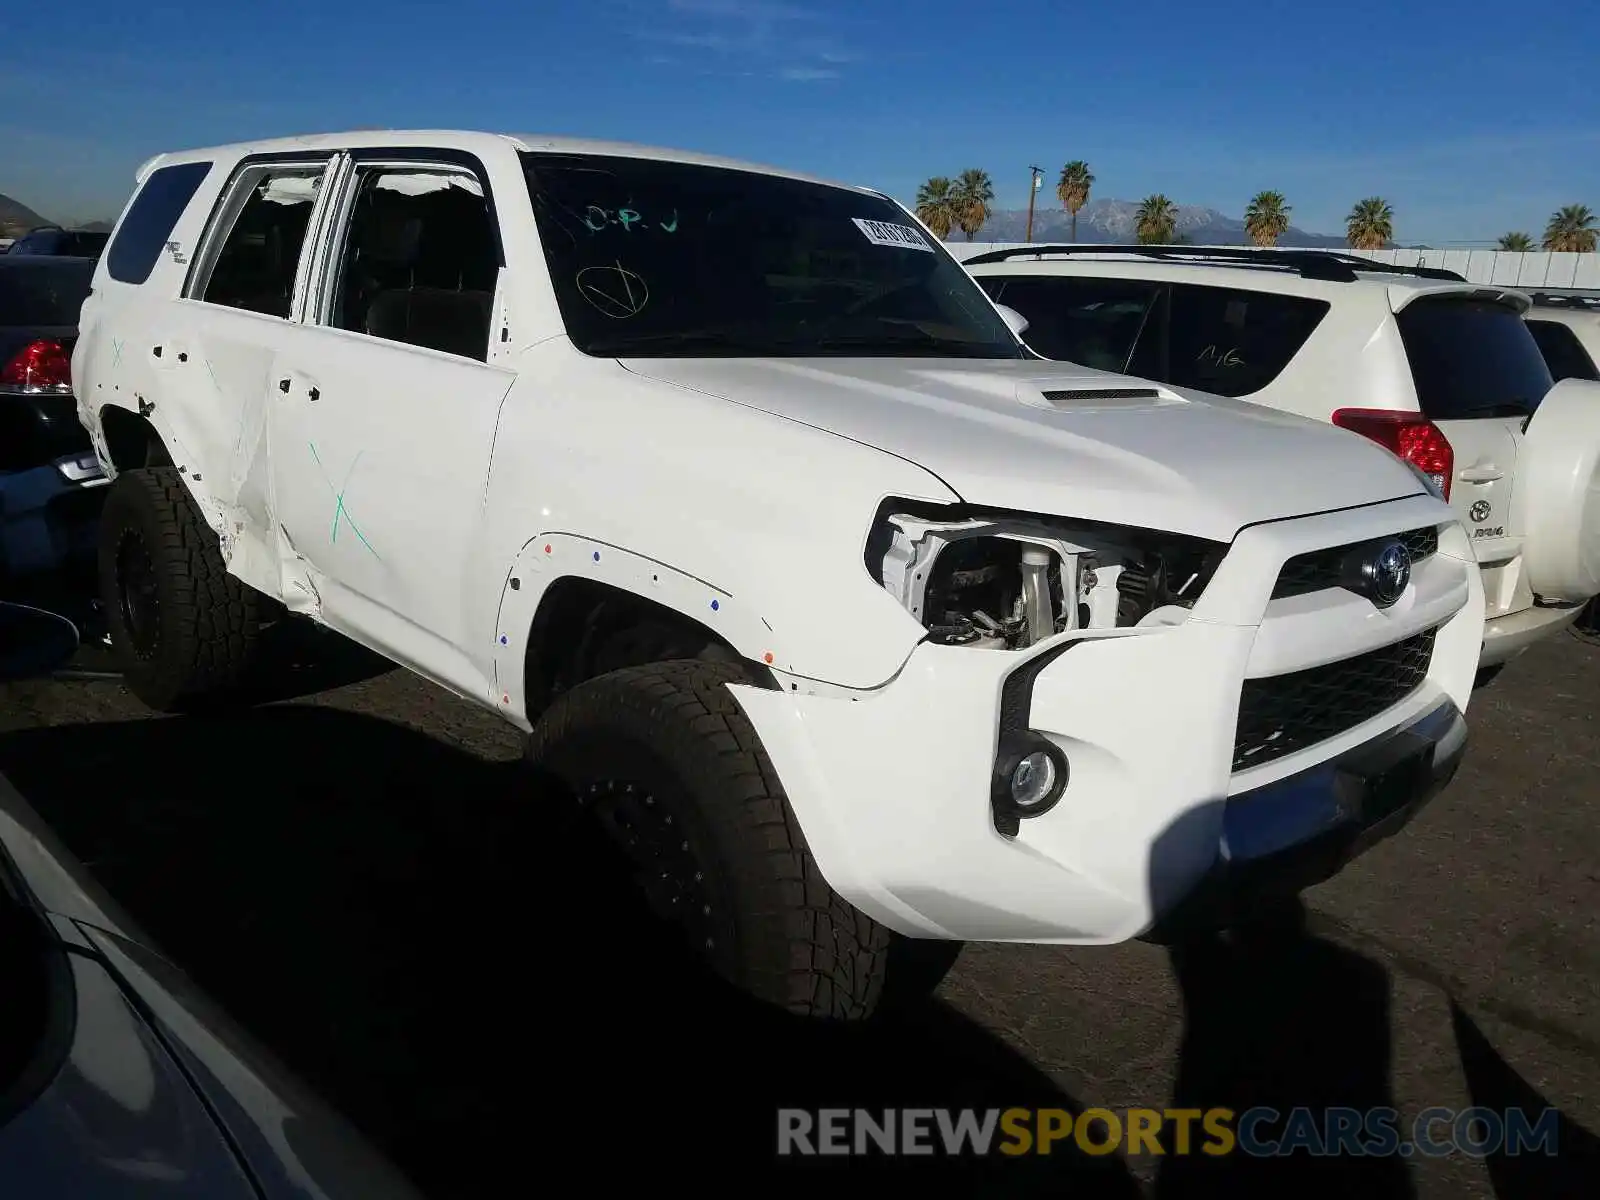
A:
(886, 233)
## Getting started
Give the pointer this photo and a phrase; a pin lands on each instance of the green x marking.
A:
(339, 510)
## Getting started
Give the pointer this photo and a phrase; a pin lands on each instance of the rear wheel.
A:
(665, 759)
(181, 627)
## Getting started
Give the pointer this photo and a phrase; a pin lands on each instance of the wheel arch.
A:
(565, 599)
(129, 441)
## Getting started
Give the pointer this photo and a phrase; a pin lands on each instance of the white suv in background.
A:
(1442, 372)
(1566, 324)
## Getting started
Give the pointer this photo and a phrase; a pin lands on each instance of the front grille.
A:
(1319, 570)
(1281, 714)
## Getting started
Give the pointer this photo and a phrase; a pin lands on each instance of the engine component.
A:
(1007, 582)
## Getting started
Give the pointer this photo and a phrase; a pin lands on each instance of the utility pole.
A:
(1033, 190)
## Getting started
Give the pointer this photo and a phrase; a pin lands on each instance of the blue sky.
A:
(1471, 118)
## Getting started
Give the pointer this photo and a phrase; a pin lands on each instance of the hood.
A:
(1059, 440)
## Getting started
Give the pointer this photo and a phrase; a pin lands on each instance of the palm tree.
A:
(1156, 220)
(1516, 241)
(1073, 190)
(936, 206)
(973, 192)
(1370, 224)
(1267, 218)
(1571, 229)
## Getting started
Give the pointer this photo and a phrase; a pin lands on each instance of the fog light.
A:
(1033, 780)
(1030, 776)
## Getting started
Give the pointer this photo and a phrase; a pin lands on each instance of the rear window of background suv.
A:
(1563, 352)
(1472, 358)
(1226, 341)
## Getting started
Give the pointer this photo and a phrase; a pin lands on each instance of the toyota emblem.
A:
(1479, 512)
(1386, 572)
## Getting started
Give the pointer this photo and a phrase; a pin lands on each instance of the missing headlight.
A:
(1008, 582)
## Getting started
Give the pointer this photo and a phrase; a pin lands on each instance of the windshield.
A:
(1472, 358)
(671, 260)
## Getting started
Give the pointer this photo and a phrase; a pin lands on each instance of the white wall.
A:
(1479, 266)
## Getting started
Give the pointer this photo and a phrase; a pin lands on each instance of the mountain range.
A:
(16, 218)
(1106, 222)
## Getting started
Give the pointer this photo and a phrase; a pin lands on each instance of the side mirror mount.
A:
(33, 642)
(1014, 319)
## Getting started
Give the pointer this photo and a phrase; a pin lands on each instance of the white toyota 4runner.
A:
(1441, 371)
(867, 630)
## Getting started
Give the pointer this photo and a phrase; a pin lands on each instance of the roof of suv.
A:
(474, 140)
(1326, 274)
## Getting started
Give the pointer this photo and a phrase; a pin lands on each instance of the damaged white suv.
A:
(867, 630)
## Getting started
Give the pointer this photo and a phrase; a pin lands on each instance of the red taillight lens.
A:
(40, 366)
(1410, 435)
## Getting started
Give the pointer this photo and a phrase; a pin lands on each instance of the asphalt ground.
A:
(363, 874)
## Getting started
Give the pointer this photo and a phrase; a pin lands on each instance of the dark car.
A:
(53, 241)
(118, 1078)
(51, 486)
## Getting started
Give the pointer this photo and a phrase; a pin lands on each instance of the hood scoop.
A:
(1090, 398)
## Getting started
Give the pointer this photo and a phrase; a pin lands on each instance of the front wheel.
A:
(666, 760)
(181, 627)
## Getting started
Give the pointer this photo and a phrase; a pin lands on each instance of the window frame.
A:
(332, 232)
(225, 213)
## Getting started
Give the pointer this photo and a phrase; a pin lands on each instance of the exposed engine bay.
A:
(1006, 584)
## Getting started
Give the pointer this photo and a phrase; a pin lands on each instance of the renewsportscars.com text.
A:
(1259, 1132)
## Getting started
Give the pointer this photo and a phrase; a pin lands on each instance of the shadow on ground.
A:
(1571, 1173)
(427, 940)
(1277, 1018)
(296, 658)
(461, 967)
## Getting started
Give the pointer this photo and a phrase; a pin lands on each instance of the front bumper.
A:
(1279, 839)
(892, 788)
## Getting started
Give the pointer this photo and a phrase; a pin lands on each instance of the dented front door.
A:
(380, 454)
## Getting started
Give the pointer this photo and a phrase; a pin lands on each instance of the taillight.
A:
(40, 366)
(1410, 435)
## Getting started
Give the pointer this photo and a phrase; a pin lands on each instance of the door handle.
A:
(283, 386)
(1480, 475)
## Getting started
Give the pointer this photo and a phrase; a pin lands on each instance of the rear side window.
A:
(1563, 352)
(148, 224)
(1472, 358)
(43, 293)
(254, 264)
(1089, 321)
(1232, 342)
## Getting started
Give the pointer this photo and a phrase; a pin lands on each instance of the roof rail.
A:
(1311, 264)
(1563, 297)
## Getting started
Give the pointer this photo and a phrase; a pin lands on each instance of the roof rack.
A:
(1328, 265)
(1564, 297)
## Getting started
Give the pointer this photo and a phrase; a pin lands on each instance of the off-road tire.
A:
(206, 623)
(668, 746)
